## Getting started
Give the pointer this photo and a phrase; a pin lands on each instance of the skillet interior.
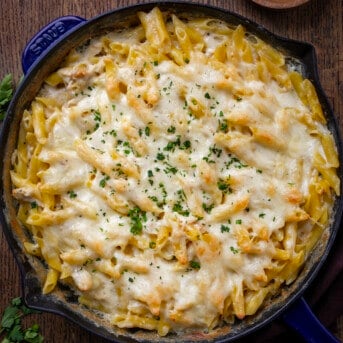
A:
(63, 301)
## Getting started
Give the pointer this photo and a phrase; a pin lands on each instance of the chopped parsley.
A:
(223, 126)
(213, 150)
(125, 145)
(170, 169)
(102, 182)
(223, 186)
(207, 208)
(235, 162)
(194, 264)
(181, 194)
(224, 228)
(171, 146)
(171, 129)
(163, 189)
(112, 133)
(186, 145)
(160, 156)
(72, 194)
(97, 119)
(137, 217)
(216, 151)
(177, 207)
(234, 250)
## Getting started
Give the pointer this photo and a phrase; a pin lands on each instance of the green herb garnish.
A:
(102, 182)
(6, 94)
(160, 156)
(72, 194)
(224, 228)
(137, 217)
(11, 324)
(234, 250)
(171, 129)
(177, 207)
(223, 186)
(194, 264)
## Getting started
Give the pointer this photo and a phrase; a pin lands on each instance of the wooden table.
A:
(318, 22)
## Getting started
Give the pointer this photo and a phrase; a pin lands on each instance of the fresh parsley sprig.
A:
(6, 93)
(11, 327)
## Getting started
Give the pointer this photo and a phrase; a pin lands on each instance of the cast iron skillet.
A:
(42, 55)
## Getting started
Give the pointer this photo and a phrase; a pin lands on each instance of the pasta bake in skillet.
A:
(176, 173)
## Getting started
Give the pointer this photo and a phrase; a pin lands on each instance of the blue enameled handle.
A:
(47, 37)
(300, 317)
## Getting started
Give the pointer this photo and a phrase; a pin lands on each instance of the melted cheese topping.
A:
(170, 193)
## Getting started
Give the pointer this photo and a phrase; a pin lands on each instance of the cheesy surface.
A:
(176, 173)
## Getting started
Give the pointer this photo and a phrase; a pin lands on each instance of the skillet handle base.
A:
(300, 317)
(47, 37)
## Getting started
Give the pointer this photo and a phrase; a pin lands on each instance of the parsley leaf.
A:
(16, 334)
(11, 324)
(6, 93)
(32, 335)
(9, 315)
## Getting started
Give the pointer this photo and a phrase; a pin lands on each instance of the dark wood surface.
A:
(318, 22)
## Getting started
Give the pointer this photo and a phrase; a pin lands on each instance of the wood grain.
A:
(318, 22)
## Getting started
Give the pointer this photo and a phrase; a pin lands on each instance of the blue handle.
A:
(300, 317)
(47, 37)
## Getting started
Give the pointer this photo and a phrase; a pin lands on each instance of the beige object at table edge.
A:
(280, 4)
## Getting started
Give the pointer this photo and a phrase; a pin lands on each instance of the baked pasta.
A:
(176, 173)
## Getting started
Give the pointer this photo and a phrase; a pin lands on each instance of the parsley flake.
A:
(194, 264)
(160, 156)
(137, 216)
(224, 228)
(234, 250)
(72, 194)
